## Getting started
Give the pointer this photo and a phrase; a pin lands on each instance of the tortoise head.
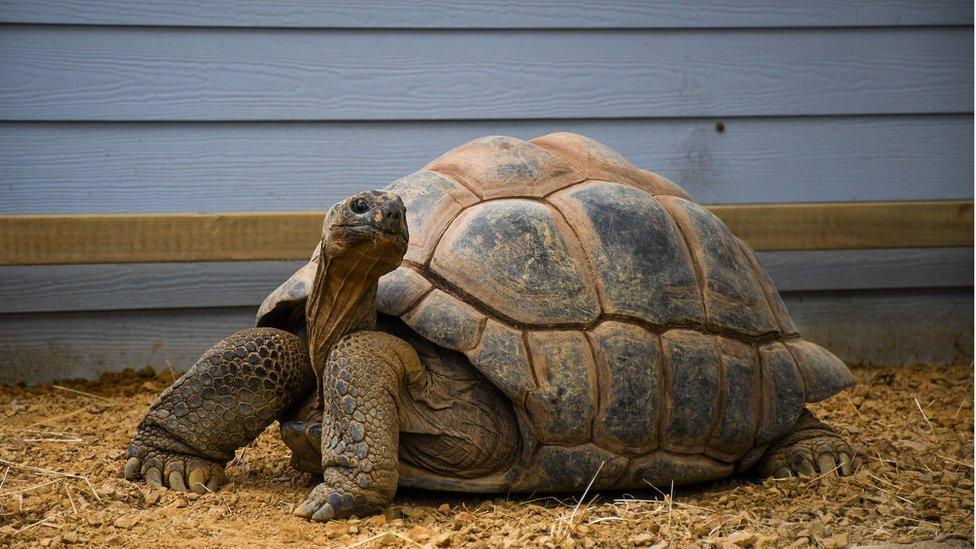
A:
(372, 224)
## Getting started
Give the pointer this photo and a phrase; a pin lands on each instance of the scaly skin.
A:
(810, 448)
(220, 404)
(363, 377)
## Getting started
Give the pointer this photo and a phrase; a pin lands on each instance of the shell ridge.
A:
(757, 386)
(722, 397)
(664, 389)
(665, 408)
(597, 393)
(584, 169)
(796, 367)
(457, 180)
(695, 264)
(591, 265)
(754, 268)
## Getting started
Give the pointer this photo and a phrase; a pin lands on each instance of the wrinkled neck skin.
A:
(342, 300)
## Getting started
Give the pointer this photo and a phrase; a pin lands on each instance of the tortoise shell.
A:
(625, 322)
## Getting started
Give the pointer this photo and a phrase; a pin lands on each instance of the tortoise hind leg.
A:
(220, 404)
(810, 448)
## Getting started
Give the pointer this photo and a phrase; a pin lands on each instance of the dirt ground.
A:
(61, 450)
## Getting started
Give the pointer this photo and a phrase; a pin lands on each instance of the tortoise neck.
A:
(342, 301)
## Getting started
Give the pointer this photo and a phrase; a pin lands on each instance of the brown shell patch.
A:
(733, 297)
(563, 405)
(667, 186)
(739, 415)
(823, 373)
(660, 469)
(516, 258)
(501, 356)
(432, 201)
(498, 166)
(782, 393)
(571, 468)
(628, 362)
(642, 265)
(446, 321)
(598, 161)
(779, 309)
(691, 402)
(284, 308)
(399, 290)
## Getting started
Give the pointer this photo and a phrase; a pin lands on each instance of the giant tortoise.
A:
(555, 316)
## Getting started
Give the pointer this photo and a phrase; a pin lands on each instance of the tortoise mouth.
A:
(367, 230)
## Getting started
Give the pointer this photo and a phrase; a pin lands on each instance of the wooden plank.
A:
(166, 73)
(851, 225)
(146, 167)
(893, 268)
(124, 286)
(887, 327)
(72, 239)
(463, 14)
(40, 239)
(49, 346)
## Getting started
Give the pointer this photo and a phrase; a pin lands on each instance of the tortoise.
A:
(553, 318)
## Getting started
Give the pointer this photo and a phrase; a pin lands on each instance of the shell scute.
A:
(597, 161)
(739, 416)
(564, 403)
(498, 166)
(660, 469)
(823, 373)
(782, 392)
(733, 298)
(559, 465)
(628, 361)
(782, 315)
(399, 289)
(432, 201)
(515, 258)
(502, 357)
(641, 262)
(692, 361)
(446, 321)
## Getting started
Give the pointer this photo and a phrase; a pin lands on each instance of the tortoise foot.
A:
(811, 448)
(326, 503)
(167, 469)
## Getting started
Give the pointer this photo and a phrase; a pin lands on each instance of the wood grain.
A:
(147, 167)
(71, 239)
(851, 225)
(40, 239)
(490, 13)
(880, 327)
(169, 73)
(125, 286)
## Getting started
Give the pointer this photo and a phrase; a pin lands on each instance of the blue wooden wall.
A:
(192, 105)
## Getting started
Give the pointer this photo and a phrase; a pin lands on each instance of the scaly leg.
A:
(810, 448)
(362, 381)
(220, 404)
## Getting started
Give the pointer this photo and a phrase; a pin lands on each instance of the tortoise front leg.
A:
(363, 377)
(220, 404)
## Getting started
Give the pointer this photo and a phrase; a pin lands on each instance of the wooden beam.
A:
(72, 239)
(851, 225)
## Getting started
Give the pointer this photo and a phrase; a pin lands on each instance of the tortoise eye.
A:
(359, 206)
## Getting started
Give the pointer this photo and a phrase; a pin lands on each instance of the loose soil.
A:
(62, 450)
